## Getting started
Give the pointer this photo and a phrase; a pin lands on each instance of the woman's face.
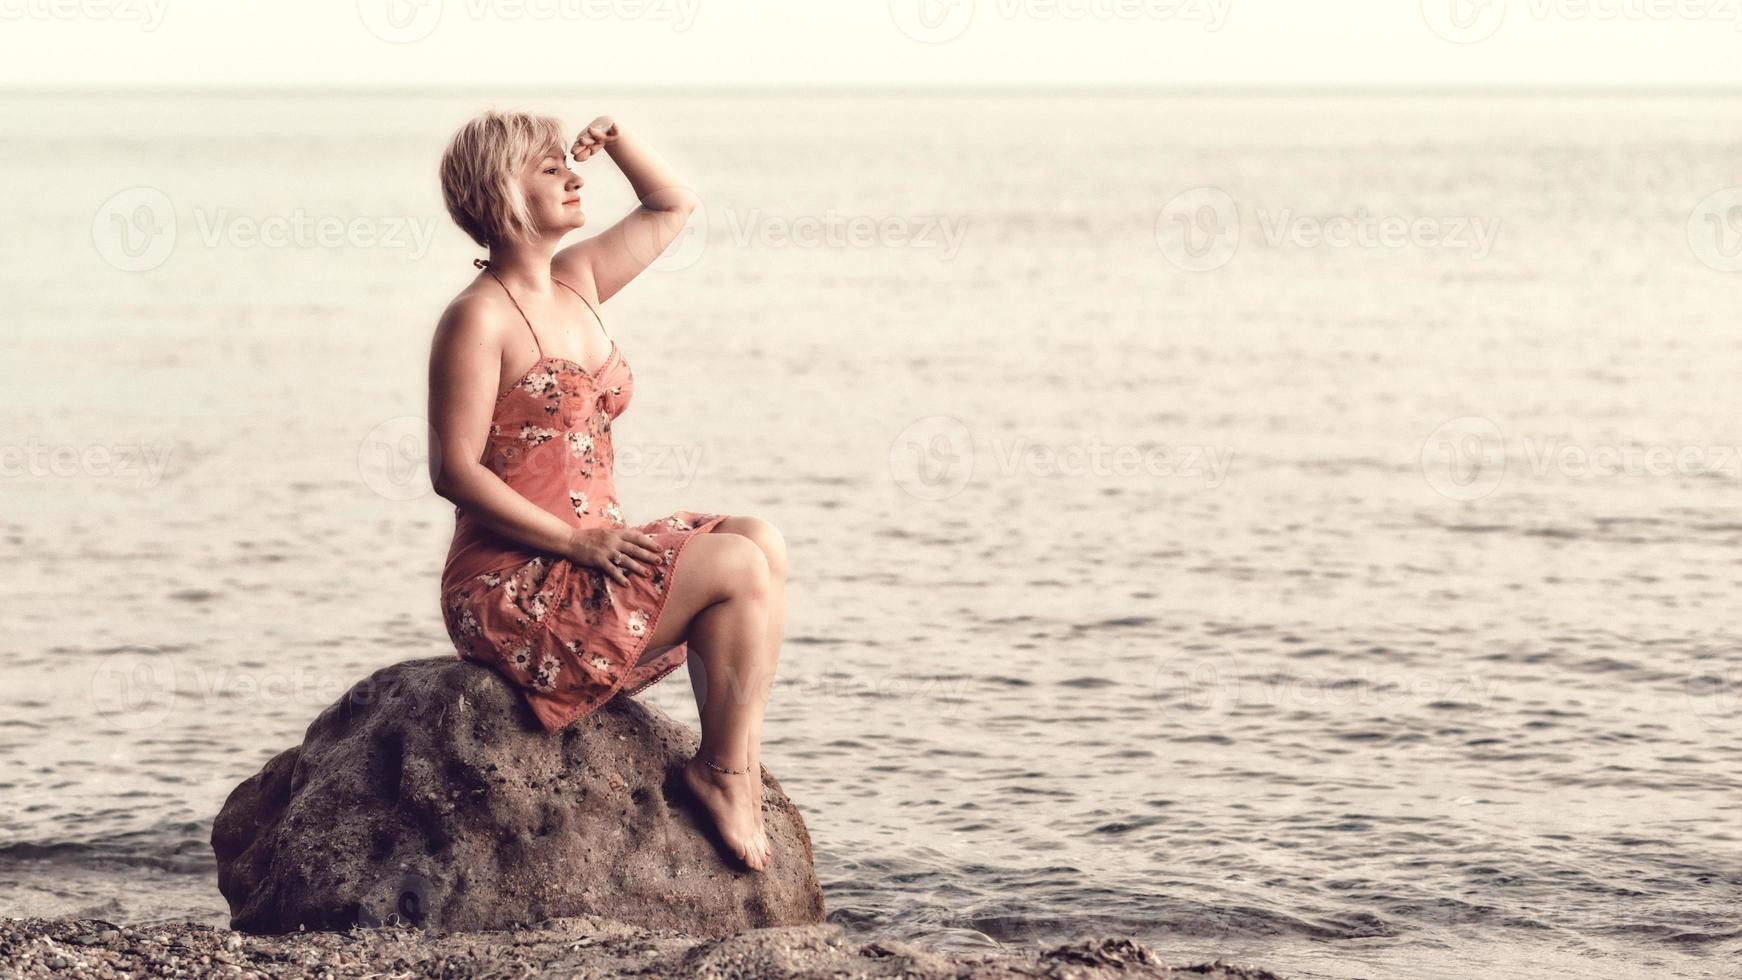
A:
(553, 194)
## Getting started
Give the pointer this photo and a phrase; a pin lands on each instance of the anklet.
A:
(729, 772)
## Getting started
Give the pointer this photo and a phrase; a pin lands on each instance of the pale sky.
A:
(928, 44)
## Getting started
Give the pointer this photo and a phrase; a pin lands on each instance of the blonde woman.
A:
(545, 581)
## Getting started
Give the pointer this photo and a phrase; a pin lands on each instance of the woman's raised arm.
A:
(621, 252)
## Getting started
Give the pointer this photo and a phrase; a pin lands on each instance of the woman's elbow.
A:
(449, 482)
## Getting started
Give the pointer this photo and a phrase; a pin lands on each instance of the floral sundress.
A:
(566, 635)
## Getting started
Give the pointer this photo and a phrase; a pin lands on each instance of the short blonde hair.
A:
(481, 171)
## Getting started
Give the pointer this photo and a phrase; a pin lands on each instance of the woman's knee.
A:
(724, 565)
(747, 573)
(765, 536)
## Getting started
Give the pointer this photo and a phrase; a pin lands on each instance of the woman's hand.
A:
(613, 550)
(595, 137)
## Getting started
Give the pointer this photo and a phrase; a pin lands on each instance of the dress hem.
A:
(569, 716)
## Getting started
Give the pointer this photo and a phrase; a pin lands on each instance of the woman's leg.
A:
(718, 604)
(773, 546)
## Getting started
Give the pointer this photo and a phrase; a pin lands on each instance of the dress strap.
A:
(587, 301)
(517, 309)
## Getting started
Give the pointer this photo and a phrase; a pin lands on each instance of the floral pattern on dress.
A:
(567, 636)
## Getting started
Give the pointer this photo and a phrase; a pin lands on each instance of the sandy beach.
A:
(575, 947)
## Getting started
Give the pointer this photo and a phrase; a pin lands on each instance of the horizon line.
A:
(908, 89)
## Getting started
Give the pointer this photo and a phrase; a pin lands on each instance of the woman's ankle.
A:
(716, 769)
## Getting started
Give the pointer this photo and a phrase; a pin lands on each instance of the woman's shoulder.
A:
(473, 316)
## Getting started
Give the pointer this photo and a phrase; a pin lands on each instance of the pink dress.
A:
(565, 635)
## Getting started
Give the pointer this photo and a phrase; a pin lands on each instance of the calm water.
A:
(1274, 595)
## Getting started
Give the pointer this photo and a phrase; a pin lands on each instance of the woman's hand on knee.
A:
(614, 550)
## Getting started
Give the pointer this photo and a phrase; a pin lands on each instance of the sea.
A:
(1299, 529)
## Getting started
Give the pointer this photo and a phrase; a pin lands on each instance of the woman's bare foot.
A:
(731, 803)
(755, 777)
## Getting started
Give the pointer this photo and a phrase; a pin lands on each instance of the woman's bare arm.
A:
(464, 373)
(621, 252)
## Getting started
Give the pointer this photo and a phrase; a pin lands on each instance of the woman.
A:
(545, 581)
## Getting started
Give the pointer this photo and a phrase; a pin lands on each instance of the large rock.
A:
(429, 795)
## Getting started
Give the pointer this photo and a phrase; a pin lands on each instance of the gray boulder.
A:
(429, 796)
